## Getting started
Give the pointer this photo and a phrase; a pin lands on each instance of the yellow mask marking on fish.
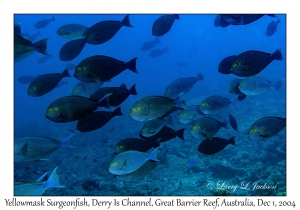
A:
(236, 64)
(196, 127)
(136, 109)
(168, 90)
(203, 105)
(53, 109)
(84, 68)
(145, 129)
(113, 164)
(32, 88)
(183, 114)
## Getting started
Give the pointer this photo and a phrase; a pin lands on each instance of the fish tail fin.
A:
(278, 21)
(132, 90)
(42, 178)
(53, 18)
(180, 134)
(277, 85)
(118, 112)
(53, 180)
(41, 46)
(153, 155)
(65, 73)
(166, 49)
(231, 141)
(241, 96)
(277, 55)
(126, 22)
(104, 101)
(176, 16)
(157, 41)
(233, 122)
(131, 65)
(67, 142)
(39, 33)
(199, 76)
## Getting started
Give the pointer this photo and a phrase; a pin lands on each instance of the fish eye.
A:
(136, 108)
(32, 88)
(145, 129)
(79, 68)
(84, 68)
(204, 104)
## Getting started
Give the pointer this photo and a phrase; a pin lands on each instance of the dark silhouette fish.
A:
(72, 108)
(237, 19)
(272, 27)
(252, 62)
(45, 83)
(96, 120)
(165, 134)
(101, 68)
(43, 23)
(134, 144)
(17, 29)
(149, 45)
(44, 59)
(72, 31)
(118, 96)
(158, 52)
(103, 31)
(163, 24)
(214, 145)
(71, 49)
(233, 122)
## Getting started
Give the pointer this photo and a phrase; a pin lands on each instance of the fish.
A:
(272, 27)
(100, 68)
(149, 45)
(207, 127)
(165, 134)
(190, 114)
(152, 127)
(71, 49)
(72, 108)
(118, 94)
(181, 64)
(145, 169)
(103, 31)
(182, 86)
(33, 148)
(217, 21)
(253, 86)
(134, 144)
(163, 24)
(25, 79)
(252, 62)
(239, 19)
(154, 107)
(43, 23)
(158, 52)
(96, 120)
(70, 66)
(129, 161)
(86, 89)
(234, 89)
(24, 47)
(225, 64)
(45, 83)
(233, 122)
(214, 145)
(44, 59)
(266, 127)
(39, 187)
(215, 104)
(72, 31)
(33, 37)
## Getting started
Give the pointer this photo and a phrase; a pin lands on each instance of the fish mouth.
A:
(55, 119)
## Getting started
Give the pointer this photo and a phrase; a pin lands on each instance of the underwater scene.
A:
(149, 104)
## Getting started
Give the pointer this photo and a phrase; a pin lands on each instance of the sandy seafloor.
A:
(192, 39)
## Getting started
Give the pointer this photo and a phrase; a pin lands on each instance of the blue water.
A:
(192, 39)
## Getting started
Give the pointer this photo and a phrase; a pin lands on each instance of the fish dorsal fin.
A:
(123, 85)
(24, 150)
